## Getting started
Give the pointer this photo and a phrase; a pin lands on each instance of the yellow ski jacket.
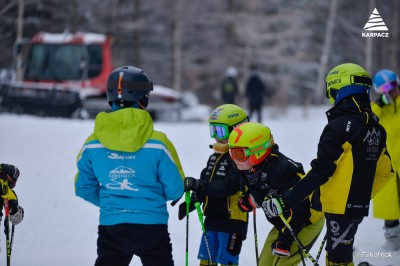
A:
(386, 203)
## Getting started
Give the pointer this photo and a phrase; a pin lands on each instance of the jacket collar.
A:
(356, 106)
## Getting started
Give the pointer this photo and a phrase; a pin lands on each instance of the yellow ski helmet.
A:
(252, 140)
(224, 119)
(346, 80)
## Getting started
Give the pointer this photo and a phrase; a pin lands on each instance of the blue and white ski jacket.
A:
(129, 170)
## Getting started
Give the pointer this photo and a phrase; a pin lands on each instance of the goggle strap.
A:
(361, 80)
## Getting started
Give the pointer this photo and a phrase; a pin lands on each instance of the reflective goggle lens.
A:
(238, 154)
(387, 87)
(219, 131)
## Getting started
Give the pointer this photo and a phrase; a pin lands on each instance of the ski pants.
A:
(224, 248)
(340, 232)
(116, 244)
(308, 235)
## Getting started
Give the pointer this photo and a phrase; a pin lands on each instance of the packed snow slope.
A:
(61, 229)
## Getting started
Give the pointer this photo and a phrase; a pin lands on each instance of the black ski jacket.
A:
(274, 176)
(221, 195)
(352, 162)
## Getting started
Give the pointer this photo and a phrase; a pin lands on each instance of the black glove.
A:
(182, 209)
(193, 184)
(9, 173)
(247, 203)
(281, 249)
(383, 100)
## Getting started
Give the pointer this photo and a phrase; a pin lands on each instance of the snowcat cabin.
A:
(60, 73)
(68, 57)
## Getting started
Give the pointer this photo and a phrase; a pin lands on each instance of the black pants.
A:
(341, 230)
(116, 245)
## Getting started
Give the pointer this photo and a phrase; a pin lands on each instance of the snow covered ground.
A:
(61, 229)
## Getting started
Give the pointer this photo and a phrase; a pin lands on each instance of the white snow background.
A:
(61, 229)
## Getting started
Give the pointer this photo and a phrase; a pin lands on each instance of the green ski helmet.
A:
(224, 119)
(346, 80)
(250, 139)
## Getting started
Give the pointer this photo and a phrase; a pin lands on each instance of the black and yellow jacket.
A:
(274, 176)
(221, 194)
(352, 162)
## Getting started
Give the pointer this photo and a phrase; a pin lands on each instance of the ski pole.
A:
(255, 234)
(321, 247)
(187, 200)
(200, 214)
(303, 249)
(7, 230)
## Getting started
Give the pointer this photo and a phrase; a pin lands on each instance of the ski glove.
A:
(182, 209)
(280, 249)
(247, 203)
(274, 207)
(9, 173)
(193, 184)
(383, 100)
(16, 215)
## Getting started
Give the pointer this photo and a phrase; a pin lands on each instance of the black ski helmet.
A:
(128, 85)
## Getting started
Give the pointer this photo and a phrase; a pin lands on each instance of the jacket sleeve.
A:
(86, 184)
(384, 172)
(170, 172)
(322, 168)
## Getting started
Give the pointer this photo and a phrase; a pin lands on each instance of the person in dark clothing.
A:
(352, 163)
(229, 86)
(255, 93)
(267, 172)
(218, 189)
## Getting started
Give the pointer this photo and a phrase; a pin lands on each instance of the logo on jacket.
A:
(116, 156)
(373, 137)
(120, 179)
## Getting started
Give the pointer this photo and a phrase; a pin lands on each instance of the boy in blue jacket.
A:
(130, 171)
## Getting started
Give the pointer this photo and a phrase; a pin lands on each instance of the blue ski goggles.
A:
(219, 131)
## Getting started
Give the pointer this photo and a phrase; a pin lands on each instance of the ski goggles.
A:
(387, 87)
(241, 154)
(219, 131)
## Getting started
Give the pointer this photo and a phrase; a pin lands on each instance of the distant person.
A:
(352, 164)
(218, 189)
(229, 86)
(386, 204)
(255, 93)
(130, 171)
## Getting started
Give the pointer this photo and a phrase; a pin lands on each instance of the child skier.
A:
(387, 107)
(268, 172)
(219, 190)
(352, 163)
